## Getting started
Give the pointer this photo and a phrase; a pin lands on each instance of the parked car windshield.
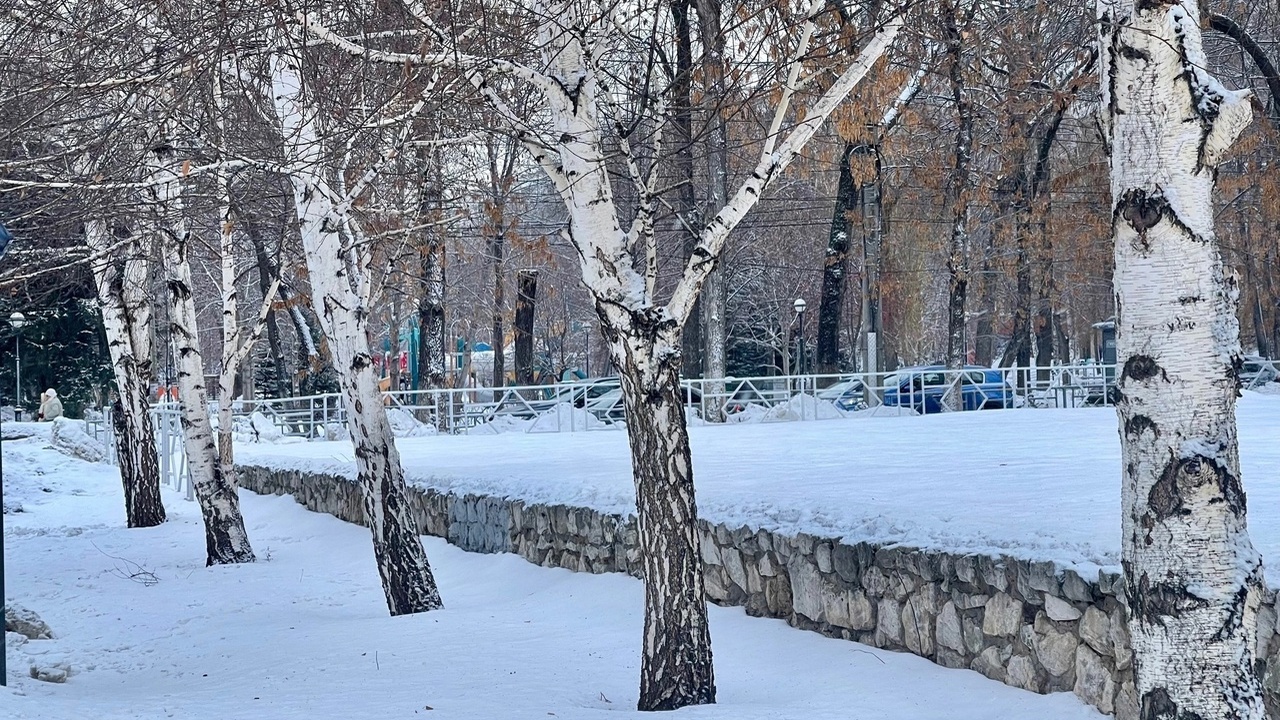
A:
(839, 389)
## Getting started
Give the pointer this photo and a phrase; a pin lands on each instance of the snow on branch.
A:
(1225, 112)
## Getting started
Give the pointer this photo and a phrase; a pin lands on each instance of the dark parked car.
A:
(922, 388)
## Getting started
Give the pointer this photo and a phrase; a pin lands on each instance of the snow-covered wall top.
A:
(1039, 485)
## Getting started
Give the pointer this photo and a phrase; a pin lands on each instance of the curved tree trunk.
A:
(676, 668)
(126, 315)
(1257, 53)
(407, 580)
(225, 537)
(1194, 581)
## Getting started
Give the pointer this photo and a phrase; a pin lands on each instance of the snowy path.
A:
(305, 634)
(1035, 484)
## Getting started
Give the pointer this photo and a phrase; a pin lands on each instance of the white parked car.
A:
(1257, 371)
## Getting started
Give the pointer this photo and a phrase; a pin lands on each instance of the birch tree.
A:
(226, 540)
(1194, 580)
(340, 280)
(582, 49)
(120, 277)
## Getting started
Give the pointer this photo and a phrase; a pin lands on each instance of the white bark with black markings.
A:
(121, 283)
(1194, 580)
(644, 337)
(407, 580)
(225, 537)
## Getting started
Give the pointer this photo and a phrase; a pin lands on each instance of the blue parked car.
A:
(922, 389)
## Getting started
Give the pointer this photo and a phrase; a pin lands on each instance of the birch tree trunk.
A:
(407, 580)
(643, 336)
(230, 324)
(431, 283)
(226, 540)
(431, 328)
(676, 661)
(1193, 579)
(126, 317)
(235, 344)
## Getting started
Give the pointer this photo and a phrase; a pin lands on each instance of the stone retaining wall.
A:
(1027, 624)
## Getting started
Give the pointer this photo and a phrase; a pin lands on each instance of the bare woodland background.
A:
(472, 196)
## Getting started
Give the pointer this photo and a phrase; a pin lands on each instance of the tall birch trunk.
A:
(431, 282)
(957, 199)
(676, 660)
(235, 344)
(226, 540)
(644, 337)
(1193, 579)
(230, 324)
(431, 328)
(407, 580)
(126, 317)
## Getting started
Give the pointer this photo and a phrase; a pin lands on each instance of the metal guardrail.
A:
(772, 398)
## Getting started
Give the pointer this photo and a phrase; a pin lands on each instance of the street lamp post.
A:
(799, 305)
(18, 321)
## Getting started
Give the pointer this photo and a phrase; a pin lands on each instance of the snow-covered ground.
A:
(304, 633)
(1035, 484)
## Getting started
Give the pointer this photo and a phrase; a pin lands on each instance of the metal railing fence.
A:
(597, 403)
